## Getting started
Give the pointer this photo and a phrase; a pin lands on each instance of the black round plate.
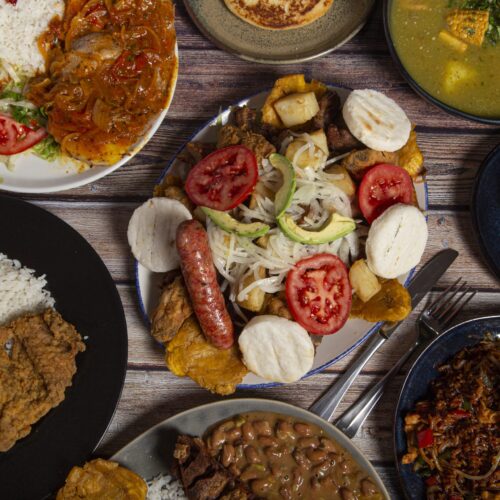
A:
(486, 209)
(86, 296)
(416, 386)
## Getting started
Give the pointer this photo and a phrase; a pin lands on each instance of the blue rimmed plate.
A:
(416, 386)
(333, 347)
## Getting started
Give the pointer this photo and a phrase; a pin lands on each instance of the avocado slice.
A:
(283, 198)
(336, 227)
(229, 224)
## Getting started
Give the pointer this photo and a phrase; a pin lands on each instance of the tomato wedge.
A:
(382, 186)
(223, 179)
(319, 294)
(16, 137)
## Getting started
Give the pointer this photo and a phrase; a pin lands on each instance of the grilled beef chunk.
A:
(329, 106)
(340, 140)
(202, 476)
(245, 118)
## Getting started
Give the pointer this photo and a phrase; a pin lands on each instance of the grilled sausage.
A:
(201, 281)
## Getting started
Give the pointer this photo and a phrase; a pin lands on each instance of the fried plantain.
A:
(410, 157)
(391, 303)
(189, 354)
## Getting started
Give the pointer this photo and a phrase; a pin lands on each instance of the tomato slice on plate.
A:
(16, 137)
(382, 186)
(223, 179)
(319, 294)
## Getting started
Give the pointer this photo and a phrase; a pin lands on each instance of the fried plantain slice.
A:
(392, 303)
(189, 354)
(411, 158)
(284, 86)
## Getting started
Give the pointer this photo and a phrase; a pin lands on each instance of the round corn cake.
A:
(279, 14)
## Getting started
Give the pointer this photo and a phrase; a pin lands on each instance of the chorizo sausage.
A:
(201, 281)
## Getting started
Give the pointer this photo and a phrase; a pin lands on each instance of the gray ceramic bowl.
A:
(151, 453)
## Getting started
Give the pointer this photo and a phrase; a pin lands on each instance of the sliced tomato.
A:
(16, 137)
(319, 294)
(382, 186)
(223, 179)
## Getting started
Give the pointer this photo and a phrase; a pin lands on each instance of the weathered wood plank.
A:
(105, 226)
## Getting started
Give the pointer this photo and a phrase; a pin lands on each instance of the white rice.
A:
(21, 291)
(165, 487)
(20, 27)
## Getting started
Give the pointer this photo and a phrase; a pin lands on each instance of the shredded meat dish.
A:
(453, 437)
(109, 73)
(37, 364)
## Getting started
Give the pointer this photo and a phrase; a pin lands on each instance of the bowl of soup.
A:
(449, 52)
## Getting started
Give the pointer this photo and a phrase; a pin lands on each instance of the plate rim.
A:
(273, 61)
(103, 171)
(485, 164)
(335, 432)
(120, 351)
(396, 412)
(164, 172)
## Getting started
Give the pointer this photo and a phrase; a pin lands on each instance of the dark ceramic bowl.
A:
(485, 208)
(416, 386)
(413, 83)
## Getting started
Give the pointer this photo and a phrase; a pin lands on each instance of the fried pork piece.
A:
(102, 479)
(35, 368)
(190, 354)
(229, 135)
(172, 187)
(202, 476)
(358, 161)
(173, 308)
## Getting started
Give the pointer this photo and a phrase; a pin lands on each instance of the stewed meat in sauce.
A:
(278, 457)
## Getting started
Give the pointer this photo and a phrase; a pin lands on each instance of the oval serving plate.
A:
(228, 32)
(86, 296)
(151, 453)
(333, 347)
(35, 175)
(416, 386)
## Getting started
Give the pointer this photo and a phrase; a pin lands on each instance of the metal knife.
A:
(420, 285)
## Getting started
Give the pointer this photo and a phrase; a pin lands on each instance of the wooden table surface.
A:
(208, 79)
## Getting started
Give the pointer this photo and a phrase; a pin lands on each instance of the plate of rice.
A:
(47, 269)
(73, 103)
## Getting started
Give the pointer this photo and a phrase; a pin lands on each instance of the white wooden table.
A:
(208, 79)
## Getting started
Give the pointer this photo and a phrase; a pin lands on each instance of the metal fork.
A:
(430, 324)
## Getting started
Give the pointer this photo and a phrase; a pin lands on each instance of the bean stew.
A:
(278, 456)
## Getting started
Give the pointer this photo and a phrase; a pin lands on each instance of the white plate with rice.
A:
(27, 172)
(333, 347)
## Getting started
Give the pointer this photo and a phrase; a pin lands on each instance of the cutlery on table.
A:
(420, 285)
(430, 324)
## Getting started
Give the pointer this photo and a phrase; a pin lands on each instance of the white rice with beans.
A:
(21, 291)
(20, 27)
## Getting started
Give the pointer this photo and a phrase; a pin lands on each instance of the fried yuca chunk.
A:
(189, 354)
(100, 479)
(287, 85)
(469, 25)
(391, 303)
(410, 156)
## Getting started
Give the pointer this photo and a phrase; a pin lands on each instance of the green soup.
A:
(462, 75)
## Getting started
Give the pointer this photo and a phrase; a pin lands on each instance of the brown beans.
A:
(266, 441)
(262, 486)
(250, 473)
(328, 445)
(315, 485)
(228, 454)
(286, 492)
(239, 451)
(304, 430)
(322, 469)
(217, 439)
(284, 430)
(248, 431)
(273, 453)
(301, 459)
(310, 442)
(262, 428)
(252, 455)
(368, 488)
(233, 435)
(316, 456)
(297, 479)
(346, 467)
(346, 494)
